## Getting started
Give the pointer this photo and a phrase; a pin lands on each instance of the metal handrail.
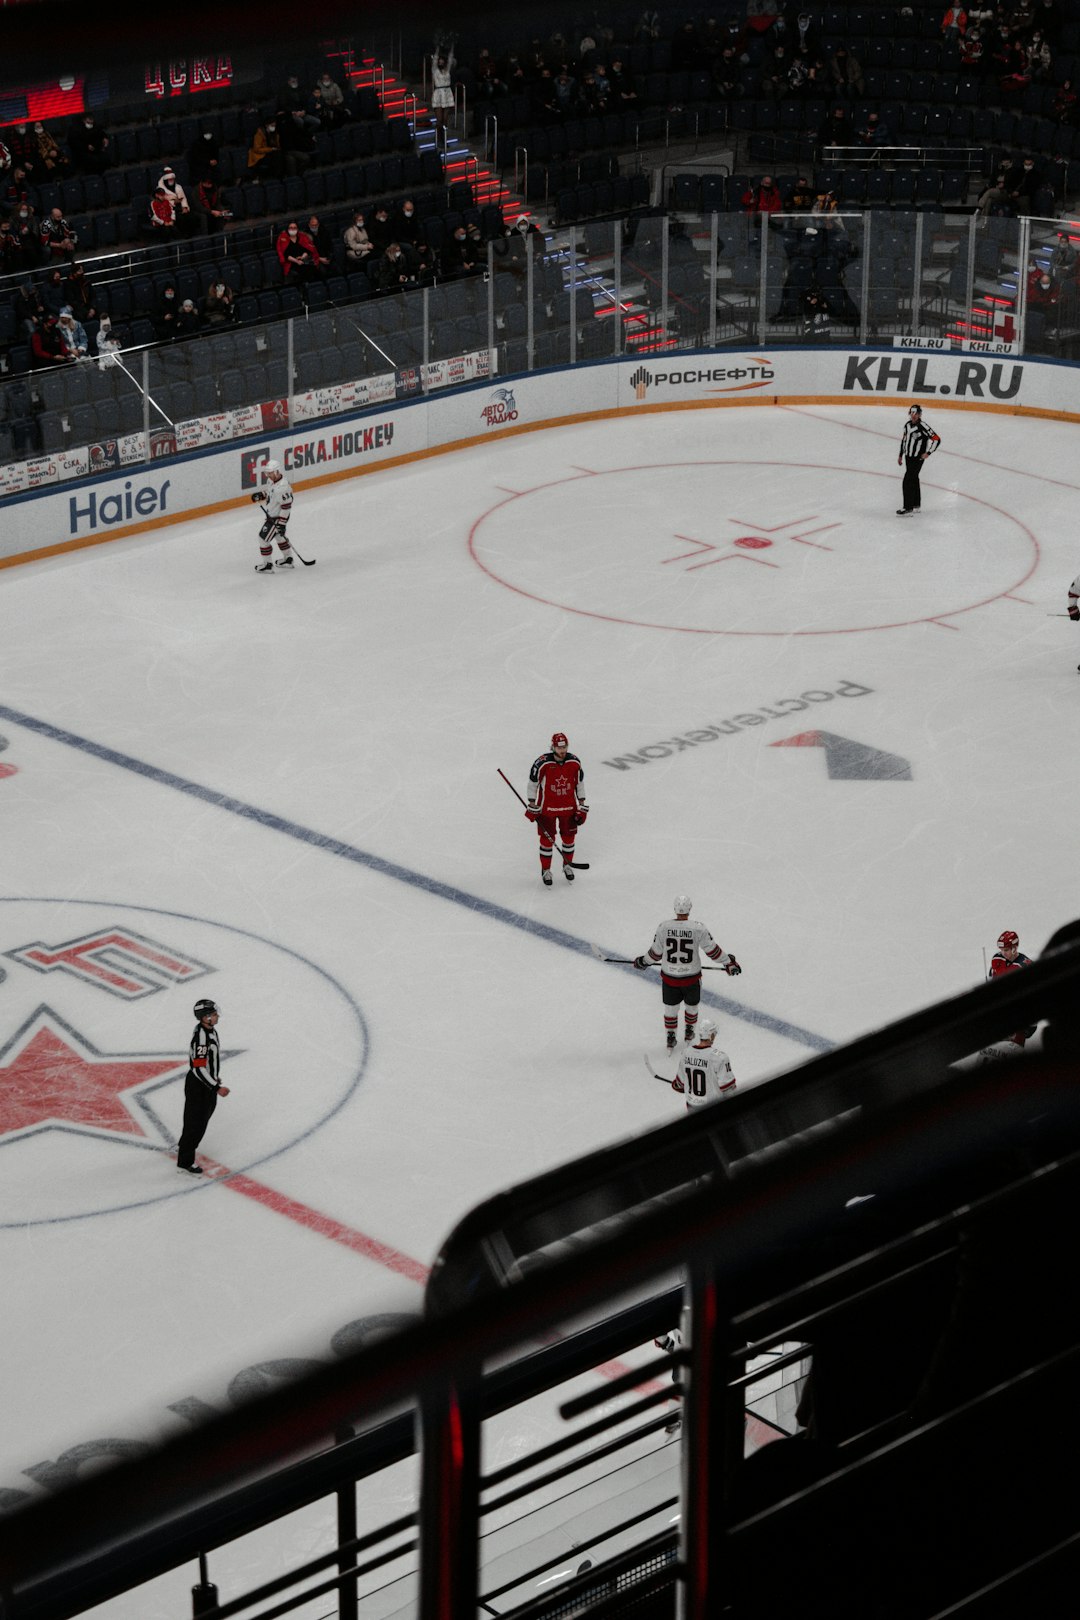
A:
(491, 148)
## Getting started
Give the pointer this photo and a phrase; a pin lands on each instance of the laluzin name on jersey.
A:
(965, 379)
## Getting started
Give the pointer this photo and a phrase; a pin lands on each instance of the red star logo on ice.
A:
(52, 1075)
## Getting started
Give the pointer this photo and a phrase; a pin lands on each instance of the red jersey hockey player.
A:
(557, 803)
(1006, 958)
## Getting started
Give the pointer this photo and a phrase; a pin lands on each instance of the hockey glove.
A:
(259, 495)
(580, 815)
(1074, 612)
(640, 962)
(677, 1085)
(532, 813)
(731, 966)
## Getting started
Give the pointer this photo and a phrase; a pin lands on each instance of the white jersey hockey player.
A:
(1074, 602)
(704, 1075)
(678, 946)
(276, 498)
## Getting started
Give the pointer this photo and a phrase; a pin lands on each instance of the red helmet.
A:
(559, 740)
(1008, 941)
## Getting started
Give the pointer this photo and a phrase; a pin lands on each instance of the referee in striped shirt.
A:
(202, 1087)
(917, 441)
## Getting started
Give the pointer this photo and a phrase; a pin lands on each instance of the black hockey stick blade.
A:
(579, 866)
(308, 562)
(648, 1064)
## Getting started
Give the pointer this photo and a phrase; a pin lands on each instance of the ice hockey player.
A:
(277, 501)
(677, 946)
(1006, 959)
(1074, 602)
(557, 804)
(705, 1071)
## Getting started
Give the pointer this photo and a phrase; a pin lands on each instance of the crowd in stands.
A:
(298, 191)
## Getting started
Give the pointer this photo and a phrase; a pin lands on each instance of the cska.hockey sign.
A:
(964, 379)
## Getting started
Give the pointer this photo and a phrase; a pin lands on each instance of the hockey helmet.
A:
(1009, 940)
(271, 469)
(914, 410)
(560, 740)
(204, 1008)
(706, 1030)
(682, 904)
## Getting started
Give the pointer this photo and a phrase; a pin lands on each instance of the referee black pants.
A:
(199, 1103)
(912, 491)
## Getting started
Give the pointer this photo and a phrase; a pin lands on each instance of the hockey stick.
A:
(579, 866)
(652, 1071)
(308, 562)
(628, 961)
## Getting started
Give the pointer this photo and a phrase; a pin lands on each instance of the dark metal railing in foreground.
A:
(770, 1250)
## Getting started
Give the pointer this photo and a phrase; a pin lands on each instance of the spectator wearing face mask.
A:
(188, 319)
(332, 98)
(219, 305)
(72, 334)
(1042, 291)
(88, 143)
(51, 159)
(27, 232)
(106, 343)
(297, 254)
(58, 240)
(203, 157)
(176, 194)
(265, 155)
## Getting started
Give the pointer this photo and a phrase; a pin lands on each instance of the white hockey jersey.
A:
(678, 947)
(706, 1076)
(279, 499)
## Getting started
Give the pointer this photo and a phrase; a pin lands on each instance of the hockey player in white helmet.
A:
(705, 1071)
(677, 946)
(277, 500)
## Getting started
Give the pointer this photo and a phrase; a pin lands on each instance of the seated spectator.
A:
(179, 199)
(358, 244)
(297, 254)
(89, 146)
(954, 22)
(320, 236)
(995, 200)
(380, 229)
(58, 240)
(1064, 104)
(1063, 259)
(836, 130)
(624, 94)
(802, 197)
(603, 83)
(1023, 187)
(208, 205)
(332, 97)
(167, 313)
(1037, 57)
(726, 74)
(847, 73)
(219, 305)
(489, 86)
(188, 319)
(204, 157)
(874, 132)
(72, 334)
(685, 48)
(291, 98)
(806, 34)
(592, 102)
(51, 158)
(162, 220)
(564, 91)
(298, 141)
(460, 257)
(762, 200)
(394, 271)
(54, 293)
(46, 349)
(265, 155)
(19, 143)
(972, 51)
(774, 80)
(10, 250)
(27, 232)
(1042, 291)
(80, 294)
(408, 231)
(30, 307)
(106, 343)
(542, 94)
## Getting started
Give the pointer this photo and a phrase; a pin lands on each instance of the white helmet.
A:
(270, 468)
(682, 904)
(706, 1030)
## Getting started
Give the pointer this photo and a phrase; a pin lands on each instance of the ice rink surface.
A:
(851, 737)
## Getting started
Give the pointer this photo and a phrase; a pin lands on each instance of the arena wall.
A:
(66, 514)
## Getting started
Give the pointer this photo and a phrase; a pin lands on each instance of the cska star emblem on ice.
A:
(95, 1018)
